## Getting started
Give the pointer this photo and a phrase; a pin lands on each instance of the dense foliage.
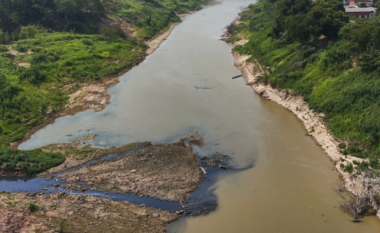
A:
(150, 17)
(41, 53)
(29, 95)
(314, 51)
(81, 15)
(31, 162)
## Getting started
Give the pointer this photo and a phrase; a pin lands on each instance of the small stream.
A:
(55, 185)
(202, 200)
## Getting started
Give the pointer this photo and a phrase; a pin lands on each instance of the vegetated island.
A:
(316, 61)
(59, 57)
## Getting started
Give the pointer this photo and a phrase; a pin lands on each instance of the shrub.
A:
(21, 48)
(3, 49)
(36, 49)
(61, 227)
(33, 207)
(349, 168)
(87, 42)
(39, 58)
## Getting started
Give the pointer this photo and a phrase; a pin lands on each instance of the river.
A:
(186, 86)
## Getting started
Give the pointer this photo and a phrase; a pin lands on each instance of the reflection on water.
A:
(288, 189)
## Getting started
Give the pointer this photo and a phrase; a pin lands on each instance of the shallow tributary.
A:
(186, 86)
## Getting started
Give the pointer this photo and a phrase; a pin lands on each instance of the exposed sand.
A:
(312, 121)
(157, 41)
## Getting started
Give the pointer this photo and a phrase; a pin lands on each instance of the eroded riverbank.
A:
(314, 124)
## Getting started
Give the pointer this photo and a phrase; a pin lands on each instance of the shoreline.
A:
(93, 96)
(311, 120)
(159, 39)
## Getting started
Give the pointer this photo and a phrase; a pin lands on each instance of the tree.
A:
(67, 7)
(324, 18)
(328, 17)
(361, 202)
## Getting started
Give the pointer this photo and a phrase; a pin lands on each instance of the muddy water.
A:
(186, 86)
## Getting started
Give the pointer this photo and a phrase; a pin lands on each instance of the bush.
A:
(21, 48)
(3, 49)
(36, 49)
(349, 168)
(61, 227)
(87, 42)
(39, 160)
(33, 207)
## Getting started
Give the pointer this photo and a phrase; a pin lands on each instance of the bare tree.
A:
(231, 28)
(360, 202)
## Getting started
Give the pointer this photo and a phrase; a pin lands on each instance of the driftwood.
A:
(237, 76)
(203, 87)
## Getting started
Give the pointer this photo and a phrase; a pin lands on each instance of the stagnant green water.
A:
(290, 187)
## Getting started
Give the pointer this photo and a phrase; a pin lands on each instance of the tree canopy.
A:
(303, 20)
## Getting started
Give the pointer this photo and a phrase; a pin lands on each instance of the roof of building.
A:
(361, 9)
(352, 3)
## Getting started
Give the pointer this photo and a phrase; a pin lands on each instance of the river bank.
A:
(312, 121)
(80, 191)
(93, 95)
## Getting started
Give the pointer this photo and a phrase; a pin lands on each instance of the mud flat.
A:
(167, 172)
(77, 213)
(80, 151)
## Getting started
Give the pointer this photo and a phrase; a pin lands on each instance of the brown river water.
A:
(289, 188)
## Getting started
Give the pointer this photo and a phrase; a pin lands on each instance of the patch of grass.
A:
(33, 207)
(61, 226)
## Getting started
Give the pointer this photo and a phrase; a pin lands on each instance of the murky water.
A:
(289, 189)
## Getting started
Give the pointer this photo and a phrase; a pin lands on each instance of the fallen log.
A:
(237, 76)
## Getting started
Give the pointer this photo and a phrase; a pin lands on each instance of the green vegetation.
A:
(150, 17)
(312, 50)
(61, 226)
(33, 207)
(29, 95)
(32, 161)
(49, 47)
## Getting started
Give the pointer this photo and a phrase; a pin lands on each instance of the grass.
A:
(30, 95)
(151, 17)
(40, 67)
(323, 72)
